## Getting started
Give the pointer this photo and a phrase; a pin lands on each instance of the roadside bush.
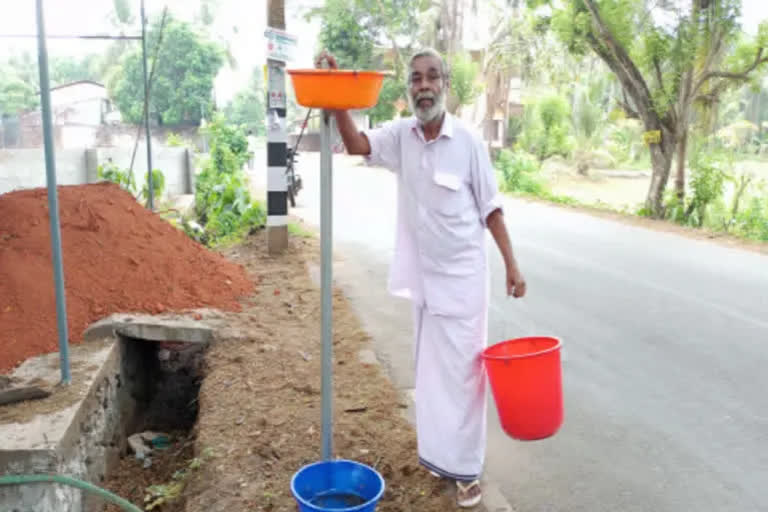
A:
(174, 140)
(519, 172)
(720, 199)
(545, 128)
(708, 185)
(123, 177)
(752, 221)
(158, 185)
(625, 141)
(126, 180)
(223, 203)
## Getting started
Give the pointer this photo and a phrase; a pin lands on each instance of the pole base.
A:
(277, 239)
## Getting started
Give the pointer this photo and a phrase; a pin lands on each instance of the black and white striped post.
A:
(277, 148)
(278, 46)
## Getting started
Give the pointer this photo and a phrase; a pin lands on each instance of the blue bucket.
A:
(337, 486)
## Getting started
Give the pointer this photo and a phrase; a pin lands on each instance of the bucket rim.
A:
(304, 502)
(334, 72)
(486, 356)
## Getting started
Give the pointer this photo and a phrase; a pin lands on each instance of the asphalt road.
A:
(665, 351)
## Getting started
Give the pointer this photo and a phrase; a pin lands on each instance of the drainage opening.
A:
(160, 382)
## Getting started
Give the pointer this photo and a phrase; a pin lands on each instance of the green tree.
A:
(247, 107)
(464, 86)
(222, 201)
(353, 30)
(207, 13)
(16, 96)
(546, 128)
(392, 90)
(666, 56)
(19, 79)
(345, 35)
(24, 67)
(122, 20)
(18, 84)
(64, 70)
(183, 82)
(122, 12)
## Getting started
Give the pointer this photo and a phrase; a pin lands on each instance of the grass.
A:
(299, 231)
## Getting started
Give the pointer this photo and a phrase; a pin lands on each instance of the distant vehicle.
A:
(292, 178)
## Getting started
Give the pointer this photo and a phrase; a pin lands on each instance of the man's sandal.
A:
(468, 494)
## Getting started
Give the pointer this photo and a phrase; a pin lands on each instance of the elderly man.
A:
(447, 196)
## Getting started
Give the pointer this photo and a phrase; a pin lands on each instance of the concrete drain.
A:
(163, 378)
(137, 377)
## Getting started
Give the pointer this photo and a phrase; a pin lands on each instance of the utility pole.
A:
(277, 139)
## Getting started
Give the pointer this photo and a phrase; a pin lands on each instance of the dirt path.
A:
(260, 401)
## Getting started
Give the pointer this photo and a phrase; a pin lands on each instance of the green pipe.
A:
(72, 482)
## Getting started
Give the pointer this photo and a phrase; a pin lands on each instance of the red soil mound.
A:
(118, 257)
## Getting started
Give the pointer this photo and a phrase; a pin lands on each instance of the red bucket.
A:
(526, 381)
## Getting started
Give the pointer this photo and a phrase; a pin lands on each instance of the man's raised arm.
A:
(355, 142)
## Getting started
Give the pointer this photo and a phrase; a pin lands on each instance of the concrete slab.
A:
(169, 327)
(47, 429)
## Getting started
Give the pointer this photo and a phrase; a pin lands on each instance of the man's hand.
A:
(325, 56)
(355, 142)
(515, 282)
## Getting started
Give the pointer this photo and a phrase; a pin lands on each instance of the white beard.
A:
(431, 113)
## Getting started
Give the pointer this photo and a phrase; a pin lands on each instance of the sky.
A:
(240, 21)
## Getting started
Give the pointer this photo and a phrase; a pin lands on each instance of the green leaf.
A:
(183, 81)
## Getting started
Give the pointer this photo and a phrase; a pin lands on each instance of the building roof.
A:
(79, 82)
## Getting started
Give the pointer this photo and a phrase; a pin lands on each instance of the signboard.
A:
(276, 86)
(652, 137)
(280, 45)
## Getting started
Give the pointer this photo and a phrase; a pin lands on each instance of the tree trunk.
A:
(454, 28)
(443, 28)
(744, 182)
(493, 91)
(661, 160)
(682, 148)
(505, 126)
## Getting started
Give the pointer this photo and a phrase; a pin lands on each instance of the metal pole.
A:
(326, 282)
(53, 200)
(150, 186)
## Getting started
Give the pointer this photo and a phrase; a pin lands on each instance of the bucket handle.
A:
(523, 323)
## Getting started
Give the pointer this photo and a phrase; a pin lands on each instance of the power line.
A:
(85, 36)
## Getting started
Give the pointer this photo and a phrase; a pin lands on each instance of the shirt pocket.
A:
(448, 194)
